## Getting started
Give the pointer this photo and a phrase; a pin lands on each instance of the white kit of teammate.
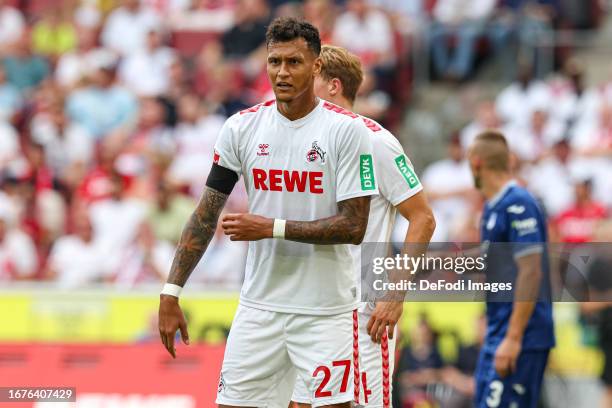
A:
(297, 302)
(397, 182)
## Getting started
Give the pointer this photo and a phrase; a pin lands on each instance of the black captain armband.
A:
(221, 179)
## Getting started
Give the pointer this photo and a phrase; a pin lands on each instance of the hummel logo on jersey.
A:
(516, 209)
(315, 153)
(288, 180)
(263, 149)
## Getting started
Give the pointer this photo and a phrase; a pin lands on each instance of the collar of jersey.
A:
(301, 121)
(497, 197)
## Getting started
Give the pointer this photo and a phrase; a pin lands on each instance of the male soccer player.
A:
(519, 329)
(308, 167)
(400, 190)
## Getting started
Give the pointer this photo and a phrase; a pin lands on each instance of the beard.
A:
(477, 181)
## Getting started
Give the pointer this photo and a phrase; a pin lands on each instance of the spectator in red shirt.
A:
(578, 223)
(97, 183)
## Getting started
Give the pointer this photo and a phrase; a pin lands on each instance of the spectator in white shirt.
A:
(592, 142)
(594, 137)
(116, 220)
(9, 144)
(366, 32)
(18, 257)
(574, 102)
(76, 259)
(12, 25)
(409, 16)
(69, 147)
(75, 66)
(532, 141)
(126, 28)
(202, 15)
(552, 178)
(516, 102)
(145, 260)
(87, 14)
(147, 72)
(449, 184)
(195, 136)
(464, 20)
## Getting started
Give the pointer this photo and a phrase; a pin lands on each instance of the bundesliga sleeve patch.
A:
(366, 172)
(404, 168)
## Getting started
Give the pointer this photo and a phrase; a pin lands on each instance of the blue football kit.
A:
(512, 226)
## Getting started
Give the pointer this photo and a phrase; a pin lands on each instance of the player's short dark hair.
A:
(284, 29)
(492, 136)
(493, 148)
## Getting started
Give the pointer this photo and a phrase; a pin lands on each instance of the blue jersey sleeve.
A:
(526, 228)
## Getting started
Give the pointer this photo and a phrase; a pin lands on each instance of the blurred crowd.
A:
(108, 117)
(109, 112)
(560, 135)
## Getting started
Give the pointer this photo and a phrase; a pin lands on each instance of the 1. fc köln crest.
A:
(315, 153)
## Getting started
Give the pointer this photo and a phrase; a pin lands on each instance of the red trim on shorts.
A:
(384, 348)
(356, 374)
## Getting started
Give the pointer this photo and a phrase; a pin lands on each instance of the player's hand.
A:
(247, 227)
(386, 314)
(171, 319)
(506, 356)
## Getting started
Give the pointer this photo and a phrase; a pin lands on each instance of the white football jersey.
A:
(298, 170)
(397, 182)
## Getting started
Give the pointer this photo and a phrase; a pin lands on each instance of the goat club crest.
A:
(315, 153)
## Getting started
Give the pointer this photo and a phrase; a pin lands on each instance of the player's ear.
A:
(335, 87)
(317, 67)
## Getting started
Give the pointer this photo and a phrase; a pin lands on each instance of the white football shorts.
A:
(376, 363)
(267, 351)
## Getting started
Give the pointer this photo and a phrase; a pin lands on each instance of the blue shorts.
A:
(520, 389)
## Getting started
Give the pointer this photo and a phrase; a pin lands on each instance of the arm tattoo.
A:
(347, 227)
(196, 236)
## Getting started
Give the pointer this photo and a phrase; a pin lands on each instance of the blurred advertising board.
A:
(122, 376)
(109, 316)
